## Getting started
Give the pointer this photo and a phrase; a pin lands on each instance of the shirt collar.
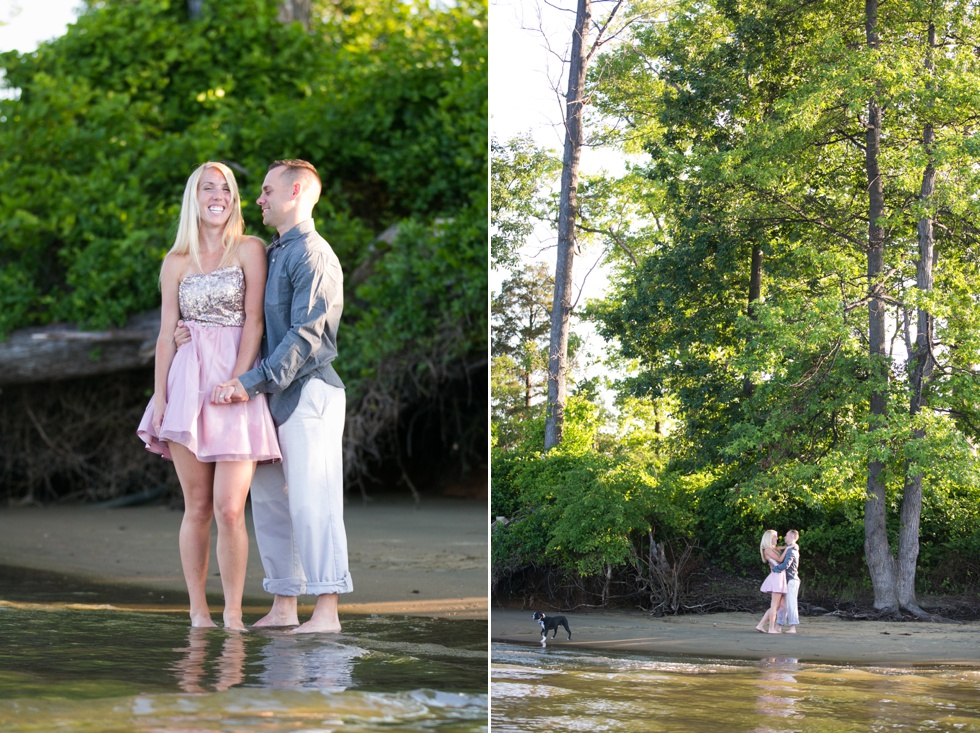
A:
(297, 232)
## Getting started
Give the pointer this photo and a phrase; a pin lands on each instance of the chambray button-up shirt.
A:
(304, 298)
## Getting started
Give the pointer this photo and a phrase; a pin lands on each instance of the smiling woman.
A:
(214, 279)
(114, 99)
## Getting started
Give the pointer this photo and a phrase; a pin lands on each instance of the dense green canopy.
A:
(102, 126)
(749, 315)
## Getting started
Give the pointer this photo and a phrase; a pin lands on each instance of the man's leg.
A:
(315, 475)
(792, 610)
(274, 536)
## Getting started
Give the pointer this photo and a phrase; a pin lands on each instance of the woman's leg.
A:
(231, 482)
(777, 599)
(762, 624)
(196, 483)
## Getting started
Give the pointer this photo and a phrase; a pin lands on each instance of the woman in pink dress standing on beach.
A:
(775, 584)
(214, 279)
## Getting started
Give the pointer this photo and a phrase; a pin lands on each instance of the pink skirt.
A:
(775, 583)
(240, 431)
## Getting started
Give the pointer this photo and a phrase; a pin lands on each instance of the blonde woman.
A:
(775, 584)
(214, 279)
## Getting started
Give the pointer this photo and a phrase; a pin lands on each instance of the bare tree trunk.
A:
(881, 563)
(567, 216)
(755, 295)
(295, 11)
(194, 8)
(920, 372)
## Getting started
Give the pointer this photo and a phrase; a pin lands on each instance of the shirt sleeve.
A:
(780, 567)
(314, 315)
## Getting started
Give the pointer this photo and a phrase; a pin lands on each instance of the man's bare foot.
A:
(791, 630)
(278, 619)
(313, 626)
(282, 613)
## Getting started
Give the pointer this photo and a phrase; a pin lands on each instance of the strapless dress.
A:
(212, 305)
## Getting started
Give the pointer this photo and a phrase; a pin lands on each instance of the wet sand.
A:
(430, 561)
(824, 639)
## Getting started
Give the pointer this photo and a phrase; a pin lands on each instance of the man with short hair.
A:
(300, 532)
(788, 614)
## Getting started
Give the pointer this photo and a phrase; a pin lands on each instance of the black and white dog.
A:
(551, 623)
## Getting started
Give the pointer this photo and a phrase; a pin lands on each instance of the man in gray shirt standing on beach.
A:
(300, 533)
(789, 614)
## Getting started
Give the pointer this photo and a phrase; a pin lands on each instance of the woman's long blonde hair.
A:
(769, 538)
(188, 240)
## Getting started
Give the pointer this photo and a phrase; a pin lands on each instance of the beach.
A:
(820, 639)
(425, 561)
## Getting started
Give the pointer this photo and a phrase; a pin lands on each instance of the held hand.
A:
(228, 392)
(182, 334)
(159, 410)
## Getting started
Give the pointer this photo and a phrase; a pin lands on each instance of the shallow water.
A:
(534, 689)
(77, 665)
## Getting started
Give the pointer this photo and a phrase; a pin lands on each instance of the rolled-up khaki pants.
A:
(298, 505)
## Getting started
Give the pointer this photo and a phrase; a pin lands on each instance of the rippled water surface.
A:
(534, 689)
(85, 667)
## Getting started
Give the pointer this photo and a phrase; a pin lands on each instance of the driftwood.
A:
(60, 351)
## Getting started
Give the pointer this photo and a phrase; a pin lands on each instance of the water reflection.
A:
(98, 669)
(777, 693)
(192, 664)
(634, 693)
(214, 660)
(289, 661)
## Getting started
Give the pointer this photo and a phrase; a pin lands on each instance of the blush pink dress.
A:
(212, 306)
(775, 582)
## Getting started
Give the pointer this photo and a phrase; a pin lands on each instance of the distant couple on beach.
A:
(783, 582)
(245, 395)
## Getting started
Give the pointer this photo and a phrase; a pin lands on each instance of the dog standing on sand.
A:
(551, 623)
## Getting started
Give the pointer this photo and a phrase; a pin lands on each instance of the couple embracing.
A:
(245, 395)
(783, 583)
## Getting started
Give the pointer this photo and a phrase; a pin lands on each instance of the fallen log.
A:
(62, 351)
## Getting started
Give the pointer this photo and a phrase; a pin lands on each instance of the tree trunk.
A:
(920, 371)
(294, 11)
(567, 215)
(881, 563)
(194, 8)
(60, 351)
(755, 295)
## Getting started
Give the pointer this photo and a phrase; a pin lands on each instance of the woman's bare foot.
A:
(760, 629)
(202, 621)
(234, 623)
(774, 632)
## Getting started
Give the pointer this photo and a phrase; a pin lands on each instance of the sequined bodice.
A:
(214, 298)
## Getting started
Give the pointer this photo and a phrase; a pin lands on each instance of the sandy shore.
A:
(829, 640)
(429, 561)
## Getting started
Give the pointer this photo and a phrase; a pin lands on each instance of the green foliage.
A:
(521, 178)
(389, 100)
(751, 119)
(580, 510)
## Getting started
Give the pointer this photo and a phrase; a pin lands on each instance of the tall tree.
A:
(841, 151)
(520, 316)
(584, 47)
(881, 563)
